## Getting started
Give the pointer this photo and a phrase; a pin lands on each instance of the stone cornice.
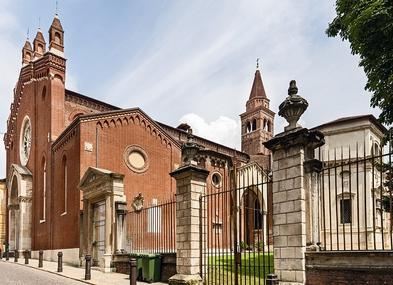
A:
(299, 136)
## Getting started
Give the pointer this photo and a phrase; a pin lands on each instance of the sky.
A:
(192, 61)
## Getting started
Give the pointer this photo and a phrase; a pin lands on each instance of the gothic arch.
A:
(253, 212)
(254, 125)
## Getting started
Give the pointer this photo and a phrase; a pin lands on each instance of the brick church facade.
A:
(69, 156)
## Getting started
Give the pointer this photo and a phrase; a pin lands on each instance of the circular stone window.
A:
(136, 159)
(25, 141)
(216, 179)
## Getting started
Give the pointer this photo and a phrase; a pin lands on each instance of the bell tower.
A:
(257, 123)
(56, 36)
(39, 44)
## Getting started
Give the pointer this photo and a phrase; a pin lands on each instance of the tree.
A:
(368, 26)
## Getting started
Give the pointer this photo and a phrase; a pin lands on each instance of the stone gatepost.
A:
(190, 185)
(292, 150)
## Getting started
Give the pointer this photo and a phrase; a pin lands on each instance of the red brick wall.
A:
(68, 152)
(355, 277)
(349, 267)
(114, 137)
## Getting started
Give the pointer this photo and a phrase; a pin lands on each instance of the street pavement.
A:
(19, 273)
(15, 274)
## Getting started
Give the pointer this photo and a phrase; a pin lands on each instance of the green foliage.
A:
(368, 26)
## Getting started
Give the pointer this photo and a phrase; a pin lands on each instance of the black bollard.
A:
(132, 271)
(40, 258)
(7, 255)
(26, 256)
(16, 253)
(271, 279)
(59, 261)
(88, 267)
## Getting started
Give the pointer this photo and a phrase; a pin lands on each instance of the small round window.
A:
(216, 179)
(136, 159)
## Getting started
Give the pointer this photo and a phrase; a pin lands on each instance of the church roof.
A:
(257, 90)
(178, 135)
(349, 119)
(87, 98)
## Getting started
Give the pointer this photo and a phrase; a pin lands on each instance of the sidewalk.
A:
(78, 274)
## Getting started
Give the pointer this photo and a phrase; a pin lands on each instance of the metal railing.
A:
(152, 229)
(355, 197)
(236, 245)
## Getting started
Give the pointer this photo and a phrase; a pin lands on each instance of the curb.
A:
(53, 272)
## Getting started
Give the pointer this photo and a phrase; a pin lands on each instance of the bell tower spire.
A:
(27, 50)
(39, 44)
(257, 122)
(56, 36)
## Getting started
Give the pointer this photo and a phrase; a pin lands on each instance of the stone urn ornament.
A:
(190, 149)
(293, 107)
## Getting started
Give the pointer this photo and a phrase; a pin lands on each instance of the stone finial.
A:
(293, 107)
(189, 149)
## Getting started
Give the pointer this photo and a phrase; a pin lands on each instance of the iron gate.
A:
(236, 231)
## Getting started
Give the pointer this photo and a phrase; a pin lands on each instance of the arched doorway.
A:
(253, 214)
(14, 217)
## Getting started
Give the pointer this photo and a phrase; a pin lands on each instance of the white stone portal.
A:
(19, 208)
(103, 206)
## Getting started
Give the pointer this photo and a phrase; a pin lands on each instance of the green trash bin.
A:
(138, 258)
(151, 267)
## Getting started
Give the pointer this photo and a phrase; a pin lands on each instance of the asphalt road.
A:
(14, 274)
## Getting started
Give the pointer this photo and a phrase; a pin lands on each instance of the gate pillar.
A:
(292, 150)
(190, 185)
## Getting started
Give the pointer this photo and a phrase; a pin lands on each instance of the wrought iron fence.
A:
(152, 229)
(236, 231)
(355, 197)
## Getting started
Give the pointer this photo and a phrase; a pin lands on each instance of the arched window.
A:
(258, 218)
(65, 184)
(57, 38)
(269, 126)
(264, 124)
(40, 49)
(375, 149)
(254, 124)
(43, 189)
(248, 127)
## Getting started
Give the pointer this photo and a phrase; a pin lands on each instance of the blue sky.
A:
(192, 60)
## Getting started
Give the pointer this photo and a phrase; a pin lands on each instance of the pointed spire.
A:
(56, 36)
(27, 45)
(257, 90)
(27, 51)
(39, 36)
(56, 23)
(39, 44)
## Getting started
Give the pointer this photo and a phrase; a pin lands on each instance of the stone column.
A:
(291, 185)
(190, 185)
(108, 233)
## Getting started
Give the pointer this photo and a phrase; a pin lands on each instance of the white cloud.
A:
(222, 130)
(201, 61)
